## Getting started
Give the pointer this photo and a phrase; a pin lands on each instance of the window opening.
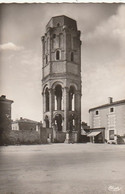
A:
(47, 99)
(111, 109)
(72, 56)
(58, 122)
(72, 99)
(57, 55)
(58, 97)
(111, 135)
(47, 122)
(72, 123)
(97, 112)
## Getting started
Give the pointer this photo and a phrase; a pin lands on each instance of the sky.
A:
(102, 29)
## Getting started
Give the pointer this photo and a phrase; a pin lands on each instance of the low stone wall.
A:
(20, 137)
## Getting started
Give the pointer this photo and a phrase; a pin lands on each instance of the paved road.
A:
(62, 168)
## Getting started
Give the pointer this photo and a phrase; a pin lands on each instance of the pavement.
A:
(62, 169)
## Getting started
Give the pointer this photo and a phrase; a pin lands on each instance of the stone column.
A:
(54, 133)
(51, 108)
(66, 107)
(44, 104)
(43, 49)
(64, 45)
(78, 106)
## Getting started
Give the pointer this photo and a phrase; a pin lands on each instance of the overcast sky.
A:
(102, 29)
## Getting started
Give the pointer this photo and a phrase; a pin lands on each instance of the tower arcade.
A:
(61, 74)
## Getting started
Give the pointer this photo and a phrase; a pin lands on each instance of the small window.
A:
(111, 135)
(97, 112)
(58, 25)
(57, 55)
(111, 109)
(72, 56)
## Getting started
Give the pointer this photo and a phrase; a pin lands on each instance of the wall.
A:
(20, 137)
(110, 120)
(27, 126)
(46, 133)
(120, 120)
(5, 115)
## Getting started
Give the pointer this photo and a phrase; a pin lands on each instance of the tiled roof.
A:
(24, 120)
(109, 104)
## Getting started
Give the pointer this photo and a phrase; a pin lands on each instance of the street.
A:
(62, 168)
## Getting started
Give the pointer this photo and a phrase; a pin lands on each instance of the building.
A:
(5, 118)
(109, 118)
(84, 131)
(26, 124)
(61, 77)
(5, 113)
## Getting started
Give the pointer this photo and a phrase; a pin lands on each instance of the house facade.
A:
(110, 117)
(26, 124)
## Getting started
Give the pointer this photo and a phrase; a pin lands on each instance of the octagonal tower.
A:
(61, 75)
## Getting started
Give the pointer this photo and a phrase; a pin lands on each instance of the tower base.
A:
(71, 137)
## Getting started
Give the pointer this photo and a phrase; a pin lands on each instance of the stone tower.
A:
(5, 118)
(61, 75)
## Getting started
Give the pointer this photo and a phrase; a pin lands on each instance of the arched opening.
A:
(47, 121)
(57, 55)
(58, 122)
(58, 97)
(72, 123)
(72, 98)
(47, 99)
(72, 56)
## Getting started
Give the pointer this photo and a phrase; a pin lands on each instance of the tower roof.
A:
(62, 20)
(3, 99)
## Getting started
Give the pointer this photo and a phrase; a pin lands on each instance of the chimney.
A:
(110, 100)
